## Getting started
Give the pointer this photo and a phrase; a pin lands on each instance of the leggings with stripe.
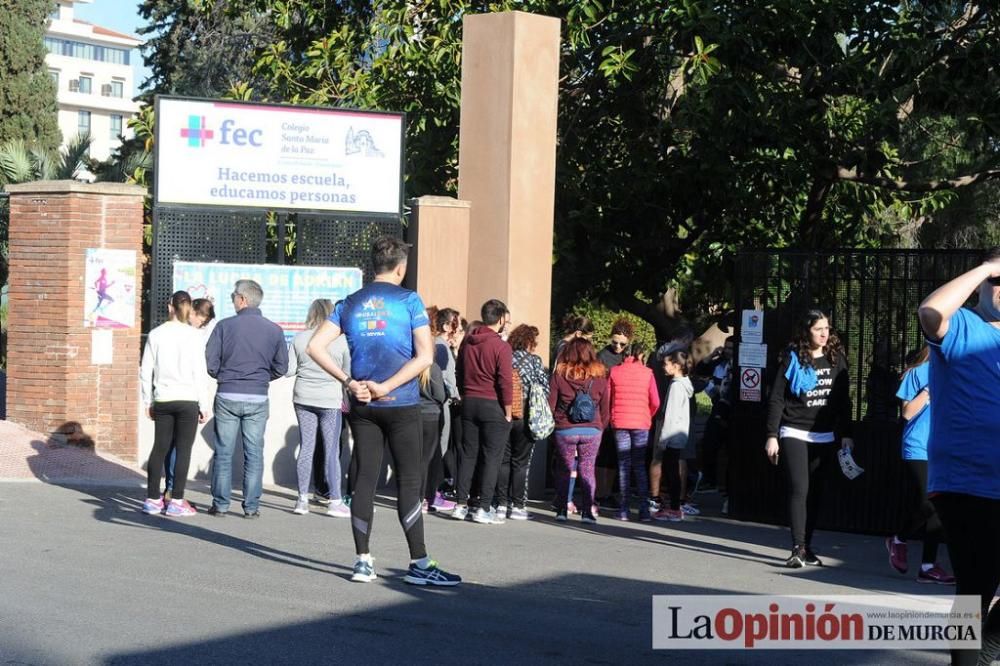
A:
(373, 428)
(327, 421)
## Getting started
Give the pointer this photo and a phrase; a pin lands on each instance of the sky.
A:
(119, 15)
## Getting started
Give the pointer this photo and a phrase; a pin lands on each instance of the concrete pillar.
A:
(52, 384)
(507, 153)
(437, 270)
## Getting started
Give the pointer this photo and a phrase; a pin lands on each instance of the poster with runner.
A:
(109, 288)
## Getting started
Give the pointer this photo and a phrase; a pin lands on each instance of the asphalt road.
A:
(85, 578)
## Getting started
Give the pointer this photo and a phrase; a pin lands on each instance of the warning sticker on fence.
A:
(750, 380)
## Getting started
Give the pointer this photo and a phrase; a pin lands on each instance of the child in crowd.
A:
(674, 432)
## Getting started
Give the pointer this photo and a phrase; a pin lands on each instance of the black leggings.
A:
(923, 515)
(513, 478)
(399, 427)
(431, 453)
(175, 425)
(807, 467)
(672, 474)
(972, 531)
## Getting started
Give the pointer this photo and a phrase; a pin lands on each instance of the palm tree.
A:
(21, 163)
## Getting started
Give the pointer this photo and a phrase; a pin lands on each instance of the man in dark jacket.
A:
(244, 354)
(485, 380)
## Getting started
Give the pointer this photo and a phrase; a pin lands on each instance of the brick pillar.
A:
(507, 161)
(51, 383)
(439, 228)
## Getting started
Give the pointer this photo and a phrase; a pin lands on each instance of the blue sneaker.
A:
(364, 572)
(432, 575)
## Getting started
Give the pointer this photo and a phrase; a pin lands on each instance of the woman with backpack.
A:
(580, 402)
(634, 402)
(529, 375)
(808, 412)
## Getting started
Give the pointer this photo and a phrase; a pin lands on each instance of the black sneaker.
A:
(216, 511)
(797, 559)
(432, 575)
(810, 559)
(251, 515)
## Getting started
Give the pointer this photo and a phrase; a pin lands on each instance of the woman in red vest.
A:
(634, 401)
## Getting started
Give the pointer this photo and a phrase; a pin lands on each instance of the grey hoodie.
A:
(677, 414)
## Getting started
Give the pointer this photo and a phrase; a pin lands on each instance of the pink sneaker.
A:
(338, 510)
(669, 515)
(571, 508)
(897, 554)
(180, 509)
(935, 575)
(153, 507)
(441, 504)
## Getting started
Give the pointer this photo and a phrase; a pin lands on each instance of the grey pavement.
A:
(85, 578)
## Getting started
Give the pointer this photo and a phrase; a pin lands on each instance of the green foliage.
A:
(27, 93)
(604, 318)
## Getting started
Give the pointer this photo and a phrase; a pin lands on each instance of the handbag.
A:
(541, 423)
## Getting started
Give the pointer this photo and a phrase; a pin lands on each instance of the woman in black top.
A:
(809, 411)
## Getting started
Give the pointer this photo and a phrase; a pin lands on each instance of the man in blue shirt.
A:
(964, 448)
(244, 354)
(389, 337)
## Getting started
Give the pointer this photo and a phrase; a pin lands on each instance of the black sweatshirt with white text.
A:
(826, 408)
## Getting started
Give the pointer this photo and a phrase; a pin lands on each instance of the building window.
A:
(113, 89)
(74, 49)
(83, 122)
(55, 77)
(86, 84)
(116, 126)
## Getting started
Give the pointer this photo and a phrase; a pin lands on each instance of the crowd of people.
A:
(460, 405)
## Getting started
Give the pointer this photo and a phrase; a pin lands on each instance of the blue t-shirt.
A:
(917, 429)
(963, 453)
(379, 321)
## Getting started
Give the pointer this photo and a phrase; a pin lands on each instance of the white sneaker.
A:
(690, 510)
(301, 505)
(499, 516)
(483, 517)
(338, 509)
(460, 512)
(519, 514)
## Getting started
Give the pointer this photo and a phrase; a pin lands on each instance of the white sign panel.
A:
(750, 381)
(234, 154)
(753, 355)
(752, 329)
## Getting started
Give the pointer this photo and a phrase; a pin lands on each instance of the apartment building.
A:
(92, 69)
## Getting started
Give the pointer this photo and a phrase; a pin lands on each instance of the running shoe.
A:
(364, 572)
(179, 508)
(897, 554)
(251, 515)
(432, 575)
(498, 516)
(810, 559)
(644, 514)
(321, 499)
(519, 514)
(690, 510)
(483, 517)
(935, 575)
(622, 514)
(301, 505)
(460, 512)
(797, 559)
(217, 512)
(571, 508)
(669, 515)
(654, 505)
(588, 518)
(441, 504)
(561, 516)
(153, 507)
(338, 510)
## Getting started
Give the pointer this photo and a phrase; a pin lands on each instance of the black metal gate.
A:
(258, 237)
(872, 298)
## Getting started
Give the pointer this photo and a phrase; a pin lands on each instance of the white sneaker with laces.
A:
(483, 517)
(301, 505)
(460, 512)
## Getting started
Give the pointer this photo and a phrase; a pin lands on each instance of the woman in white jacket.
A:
(174, 392)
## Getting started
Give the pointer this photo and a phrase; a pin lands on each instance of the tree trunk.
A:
(811, 224)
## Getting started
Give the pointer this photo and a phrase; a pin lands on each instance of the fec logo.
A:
(195, 132)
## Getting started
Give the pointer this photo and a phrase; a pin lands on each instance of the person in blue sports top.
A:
(963, 452)
(914, 392)
(389, 338)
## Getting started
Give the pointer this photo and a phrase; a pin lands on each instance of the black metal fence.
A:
(872, 298)
(257, 237)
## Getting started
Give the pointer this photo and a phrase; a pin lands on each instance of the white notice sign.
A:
(752, 355)
(752, 329)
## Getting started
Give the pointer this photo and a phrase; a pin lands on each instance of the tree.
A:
(690, 129)
(27, 94)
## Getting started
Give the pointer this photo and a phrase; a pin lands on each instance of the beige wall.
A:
(507, 149)
(438, 268)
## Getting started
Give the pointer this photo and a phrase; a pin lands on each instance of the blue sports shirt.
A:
(917, 429)
(379, 321)
(963, 453)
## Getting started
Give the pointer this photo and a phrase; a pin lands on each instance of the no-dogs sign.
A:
(750, 384)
